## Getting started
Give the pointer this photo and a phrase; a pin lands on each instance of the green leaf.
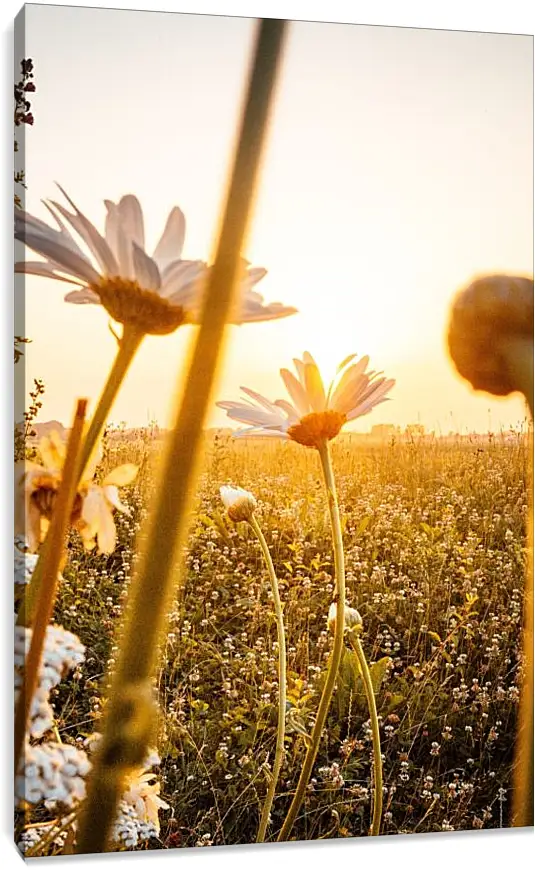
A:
(363, 525)
(378, 672)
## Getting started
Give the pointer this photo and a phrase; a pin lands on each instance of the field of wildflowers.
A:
(435, 557)
(220, 640)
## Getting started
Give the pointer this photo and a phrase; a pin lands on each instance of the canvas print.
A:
(274, 384)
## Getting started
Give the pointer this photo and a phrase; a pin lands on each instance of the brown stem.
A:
(51, 562)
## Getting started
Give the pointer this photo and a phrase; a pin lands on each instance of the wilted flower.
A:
(137, 817)
(313, 416)
(143, 795)
(352, 618)
(150, 294)
(36, 488)
(240, 503)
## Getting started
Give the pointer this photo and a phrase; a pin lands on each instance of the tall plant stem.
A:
(338, 644)
(128, 346)
(279, 749)
(523, 770)
(130, 712)
(354, 640)
(51, 561)
(517, 351)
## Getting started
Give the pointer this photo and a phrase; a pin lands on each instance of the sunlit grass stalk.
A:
(279, 749)
(130, 713)
(128, 346)
(51, 561)
(338, 644)
(519, 355)
(354, 640)
(517, 351)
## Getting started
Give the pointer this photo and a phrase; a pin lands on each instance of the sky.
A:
(399, 166)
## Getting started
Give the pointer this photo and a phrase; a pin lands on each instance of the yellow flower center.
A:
(144, 310)
(314, 429)
(45, 495)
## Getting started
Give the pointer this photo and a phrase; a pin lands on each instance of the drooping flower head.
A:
(352, 618)
(314, 415)
(36, 489)
(240, 503)
(490, 310)
(149, 293)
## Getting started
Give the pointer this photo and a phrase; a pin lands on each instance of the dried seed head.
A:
(483, 314)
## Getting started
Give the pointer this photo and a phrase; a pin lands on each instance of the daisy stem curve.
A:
(51, 565)
(281, 723)
(354, 640)
(338, 644)
(130, 712)
(128, 347)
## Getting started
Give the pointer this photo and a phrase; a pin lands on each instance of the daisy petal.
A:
(172, 239)
(82, 297)
(91, 236)
(112, 495)
(44, 269)
(258, 398)
(147, 272)
(120, 246)
(122, 475)
(314, 387)
(254, 312)
(131, 217)
(297, 392)
(65, 258)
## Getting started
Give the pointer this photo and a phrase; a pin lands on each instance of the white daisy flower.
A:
(240, 503)
(36, 488)
(314, 415)
(149, 293)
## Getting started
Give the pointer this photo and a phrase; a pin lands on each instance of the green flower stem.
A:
(279, 749)
(517, 351)
(338, 644)
(128, 346)
(354, 640)
(51, 561)
(130, 713)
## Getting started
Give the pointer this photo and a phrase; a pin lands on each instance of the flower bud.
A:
(240, 503)
(352, 618)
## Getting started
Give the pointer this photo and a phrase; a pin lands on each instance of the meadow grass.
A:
(434, 535)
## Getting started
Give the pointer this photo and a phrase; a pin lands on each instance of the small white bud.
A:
(352, 618)
(240, 503)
